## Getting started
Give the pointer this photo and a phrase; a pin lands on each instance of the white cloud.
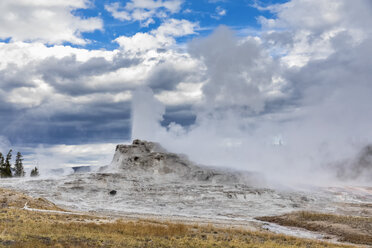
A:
(144, 10)
(45, 21)
(34, 74)
(24, 67)
(221, 11)
(44, 82)
(176, 28)
(23, 53)
(162, 37)
(297, 14)
(305, 79)
(315, 96)
(185, 93)
(114, 10)
(314, 23)
(141, 42)
(28, 97)
(171, 5)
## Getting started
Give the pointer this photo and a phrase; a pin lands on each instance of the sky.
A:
(226, 82)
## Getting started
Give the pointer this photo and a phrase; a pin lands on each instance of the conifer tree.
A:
(7, 171)
(19, 170)
(2, 165)
(34, 172)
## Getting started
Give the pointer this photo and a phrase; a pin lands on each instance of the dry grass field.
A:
(351, 229)
(24, 228)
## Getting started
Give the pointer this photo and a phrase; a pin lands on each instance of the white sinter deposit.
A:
(150, 159)
(144, 179)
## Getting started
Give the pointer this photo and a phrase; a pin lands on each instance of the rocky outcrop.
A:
(152, 159)
(149, 157)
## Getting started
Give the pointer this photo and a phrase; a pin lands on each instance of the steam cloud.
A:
(296, 116)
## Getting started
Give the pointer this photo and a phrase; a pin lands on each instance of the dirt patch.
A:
(351, 229)
(11, 198)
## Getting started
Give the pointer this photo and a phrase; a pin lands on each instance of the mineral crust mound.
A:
(152, 159)
(147, 181)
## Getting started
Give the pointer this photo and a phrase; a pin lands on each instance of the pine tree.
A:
(19, 170)
(6, 167)
(34, 172)
(2, 165)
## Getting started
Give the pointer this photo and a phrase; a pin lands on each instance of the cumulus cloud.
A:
(144, 10)
(32, 80)
(161, 38)
(167, 75)
(331, 15)
(289, 115)
(67, 75)
(50, 95)
(304, 37)
(287, 102)
(56, 94)
(13, 76)
(46, 21)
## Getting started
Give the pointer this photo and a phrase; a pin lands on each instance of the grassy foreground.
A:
(23, 228)
(351, 229)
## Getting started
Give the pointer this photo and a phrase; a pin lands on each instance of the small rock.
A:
(7, 242)
(113, 192)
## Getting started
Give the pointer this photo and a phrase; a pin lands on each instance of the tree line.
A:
(8, 170)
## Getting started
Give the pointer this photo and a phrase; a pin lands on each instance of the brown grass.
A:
(11, 198)
(351, 229)
(22, 228)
